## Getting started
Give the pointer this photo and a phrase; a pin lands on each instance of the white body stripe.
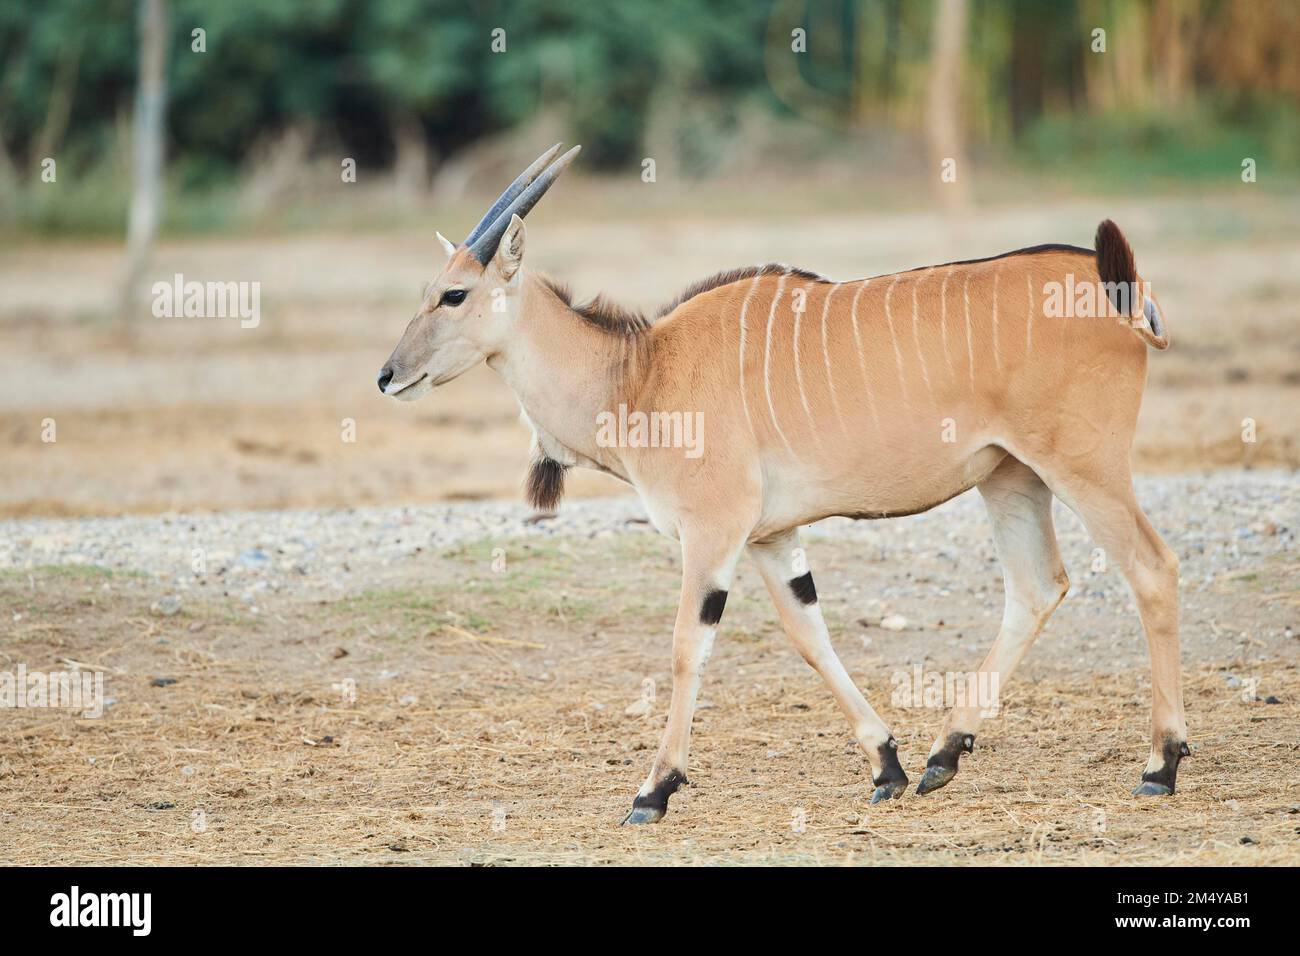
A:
(916, 339)
(943, 321)
(970, 348)
(1029, 320)
(862, 362)
(744, 308)
(798, 366)
(826, 360)
(997, 352)
(893, 337)
(767, 361)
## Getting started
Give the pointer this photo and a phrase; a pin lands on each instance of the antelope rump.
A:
(872, 398)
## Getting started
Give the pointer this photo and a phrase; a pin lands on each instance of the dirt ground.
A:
(188, 414)
(489, 722)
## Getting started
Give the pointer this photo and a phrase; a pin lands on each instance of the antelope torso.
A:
(876, 397)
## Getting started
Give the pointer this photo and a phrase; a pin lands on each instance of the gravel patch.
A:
(1217, 522)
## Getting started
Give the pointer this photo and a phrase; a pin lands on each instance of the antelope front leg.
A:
(707, 566)
(780, 561)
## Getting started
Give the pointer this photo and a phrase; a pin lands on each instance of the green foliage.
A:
(351, 70)
(1128, 148)
(360, 78)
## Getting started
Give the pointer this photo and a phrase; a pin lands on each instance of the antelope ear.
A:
(448, 246)
(510, 251)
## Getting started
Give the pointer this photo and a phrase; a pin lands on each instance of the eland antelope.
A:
(871, 398)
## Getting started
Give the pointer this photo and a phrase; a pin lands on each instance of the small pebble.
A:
(168, 606)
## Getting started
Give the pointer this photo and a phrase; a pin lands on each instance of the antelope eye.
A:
(453, 297)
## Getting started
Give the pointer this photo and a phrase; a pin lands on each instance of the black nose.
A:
(385, 376)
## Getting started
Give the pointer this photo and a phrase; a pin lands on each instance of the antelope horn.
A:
(483, 247)
(514, 189)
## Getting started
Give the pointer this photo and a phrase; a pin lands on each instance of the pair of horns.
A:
(519, 197)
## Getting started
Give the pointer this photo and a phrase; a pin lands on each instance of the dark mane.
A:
(729, 276)
(604, 314)
(611, 317)
(1026, 251)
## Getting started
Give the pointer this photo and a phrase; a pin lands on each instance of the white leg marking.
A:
(767, 362)
(744, 308)
(806, 629)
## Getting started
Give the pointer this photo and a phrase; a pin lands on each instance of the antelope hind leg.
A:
(1110, 511)
(1020, 510)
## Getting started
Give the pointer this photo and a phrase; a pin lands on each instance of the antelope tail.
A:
(1130, 297)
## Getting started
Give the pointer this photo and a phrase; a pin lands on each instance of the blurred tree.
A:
(406, 84)
(146, 148)
(944, 126)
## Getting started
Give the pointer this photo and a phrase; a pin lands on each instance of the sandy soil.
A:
(409, 695)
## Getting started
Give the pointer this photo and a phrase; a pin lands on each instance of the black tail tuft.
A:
(545, 485)
(1115, 265)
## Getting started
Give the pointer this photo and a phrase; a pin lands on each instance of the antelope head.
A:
(469, 309)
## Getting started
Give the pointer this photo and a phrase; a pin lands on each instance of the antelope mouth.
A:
(411, 390)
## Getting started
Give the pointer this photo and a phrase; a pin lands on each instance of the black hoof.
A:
(942, 766)
(934, 778)
(892, 781)
(1151, 789)
(1160, 783)
(888, 792)
(642, 815)
(652, 807)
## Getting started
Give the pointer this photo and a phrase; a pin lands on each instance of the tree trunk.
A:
(943, 119)
(1173, 36)
(412, 161)
(146, 149)
(62, 89)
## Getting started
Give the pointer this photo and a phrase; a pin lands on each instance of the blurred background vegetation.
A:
(412, 90)
(803, 131)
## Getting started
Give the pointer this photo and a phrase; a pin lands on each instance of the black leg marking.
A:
(892, 781)
(1160, 783)
(545, 486)
(942, 766)
(652, 807)
(711, 610)
(804, 589)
